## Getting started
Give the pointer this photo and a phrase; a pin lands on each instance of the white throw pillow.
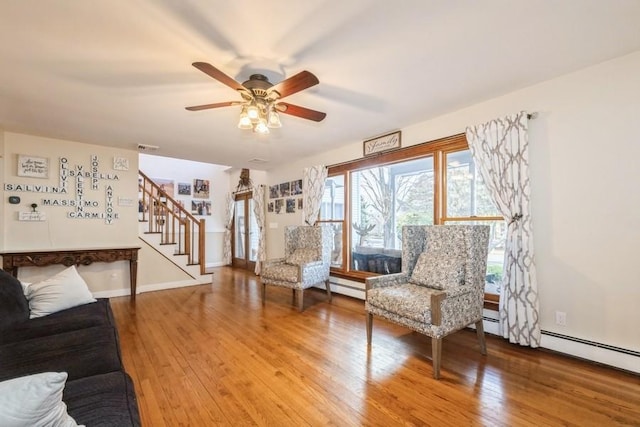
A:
(64, 290)
(34, 400)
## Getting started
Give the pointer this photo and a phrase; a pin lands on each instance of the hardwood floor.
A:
(214, 355)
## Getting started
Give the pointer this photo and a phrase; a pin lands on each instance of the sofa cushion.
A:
(303, 256)
(80, 353)
(438, 270)
(64, 290)
(14, 306)
(34, 400)
(71, 319)
(103, 400)
(406, 300)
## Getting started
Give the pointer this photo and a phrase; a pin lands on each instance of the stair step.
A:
(168, 243)
(153, 232)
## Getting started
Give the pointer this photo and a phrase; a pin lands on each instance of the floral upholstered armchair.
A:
(305, 264)
(440, 289)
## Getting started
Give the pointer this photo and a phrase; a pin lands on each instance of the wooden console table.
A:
(42, 258)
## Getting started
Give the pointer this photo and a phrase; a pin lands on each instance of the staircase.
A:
(166, 226)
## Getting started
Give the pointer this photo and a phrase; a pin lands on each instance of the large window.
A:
(369, 200)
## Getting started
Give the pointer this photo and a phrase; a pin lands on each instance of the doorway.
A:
(244, 244)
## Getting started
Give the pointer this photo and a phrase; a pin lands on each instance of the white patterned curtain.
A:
(229, 208)
(313, 180)
(258, 211)
(500, 151)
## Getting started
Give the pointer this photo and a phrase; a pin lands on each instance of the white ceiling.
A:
(118, 72)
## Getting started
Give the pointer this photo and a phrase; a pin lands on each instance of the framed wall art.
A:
(33, 166)
(383, 143)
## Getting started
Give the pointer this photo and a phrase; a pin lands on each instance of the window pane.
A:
(332, 207)
(467, 194)
(495, 259)
(336, 248)
(254, 234)
(239, 225)
(383, 199)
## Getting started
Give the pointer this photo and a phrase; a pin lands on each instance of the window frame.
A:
(437, 149)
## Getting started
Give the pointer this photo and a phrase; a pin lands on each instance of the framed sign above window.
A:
(383, 143)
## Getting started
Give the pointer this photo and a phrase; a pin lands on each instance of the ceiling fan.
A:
(261, 99)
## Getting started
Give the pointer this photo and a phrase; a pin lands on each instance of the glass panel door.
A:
(254, 234)
(245, 233)
(239, 233)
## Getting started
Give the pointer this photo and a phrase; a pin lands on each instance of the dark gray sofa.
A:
(82, 341)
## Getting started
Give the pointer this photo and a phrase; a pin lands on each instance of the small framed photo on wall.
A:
(184, 189)
(33, 166)
(201, 188)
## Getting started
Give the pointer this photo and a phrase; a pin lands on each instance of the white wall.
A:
(584, 148)
(186, 171)
(59, 231)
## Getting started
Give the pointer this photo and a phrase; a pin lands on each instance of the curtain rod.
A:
(532, 116)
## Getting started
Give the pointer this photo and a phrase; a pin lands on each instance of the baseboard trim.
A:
(617, 357)
(205, 279)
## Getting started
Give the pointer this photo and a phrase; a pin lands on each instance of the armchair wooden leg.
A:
(481, 340)
(264, 292)
(300, 298)
(369, 328)
(436, 355)
(328, 289)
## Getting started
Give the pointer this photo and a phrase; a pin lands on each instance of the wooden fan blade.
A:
(212, 71)
(296, 110)
(207, 106)
(293, 84)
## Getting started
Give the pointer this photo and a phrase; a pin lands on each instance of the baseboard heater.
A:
(580, 340)
(593, 343)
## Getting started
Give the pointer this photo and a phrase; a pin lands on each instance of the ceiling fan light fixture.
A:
(261, 106)
(273, 121)
(261, 127)
(254, 113)
(244, 122)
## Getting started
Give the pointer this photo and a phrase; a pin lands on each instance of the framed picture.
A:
(279, 205)
(200, 207)
(120, 164)
(33, 166)
(201, 188)
(383, 143)
(299, 204)
(166, 185)
(184, 189)
(296, 187)
(291, 205)
(206, 207)
(274, 191)
(285, 189)
(270, 207)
